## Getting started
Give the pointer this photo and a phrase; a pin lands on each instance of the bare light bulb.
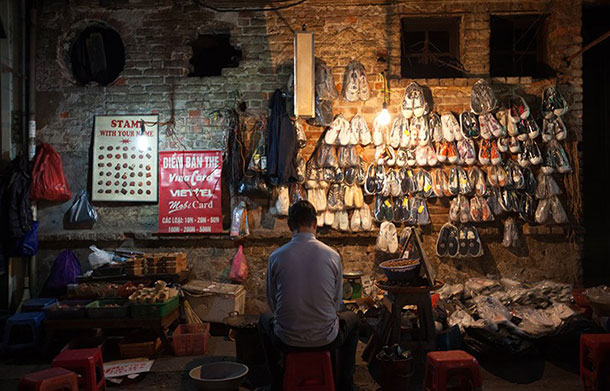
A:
(384, 116)
(142, 142)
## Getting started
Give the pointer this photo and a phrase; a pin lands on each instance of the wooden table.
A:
(157, 325)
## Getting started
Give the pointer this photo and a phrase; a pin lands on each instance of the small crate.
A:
(191, 339)
(140, 343)
(99, 309)
(67, 309)
(156, 310)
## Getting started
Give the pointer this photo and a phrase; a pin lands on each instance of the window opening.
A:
(97, 55)
(212, 53)
(516, 46)
(430, 47)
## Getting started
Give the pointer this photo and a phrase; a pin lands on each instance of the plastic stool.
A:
(443, 367)
(38, 305)
(85, 362)
(308, 371)
(594, 352)
(23, 331)
(52, 379)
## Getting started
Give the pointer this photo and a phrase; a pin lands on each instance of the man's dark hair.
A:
(301, 214)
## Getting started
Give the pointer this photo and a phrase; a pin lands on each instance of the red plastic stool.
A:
(87, 363)
(308, 371)
(443, 368)
(595, 353)
(52, 379)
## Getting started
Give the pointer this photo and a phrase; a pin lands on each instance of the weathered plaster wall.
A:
(156, 36)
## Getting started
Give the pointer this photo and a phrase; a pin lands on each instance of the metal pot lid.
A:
(353, 274)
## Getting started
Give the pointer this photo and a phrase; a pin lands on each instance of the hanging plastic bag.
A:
(239, 267)
(99, 257)
(48, 180)
(28, 246)
(64, 271)
(82, 212)
(239, 221)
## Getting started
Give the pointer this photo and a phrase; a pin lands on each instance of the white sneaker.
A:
(364, 134)
(329, 218)
(407, 106)
(358, 197)
(393, 135)
(401, 158)
(447, 127)
(405, 134)
(354, 133)
(321, 197)
(391, 160)
(348, 198)
(421, 156)
(345, 131)
(391, 238)
(423, 134)
(320, 219)
(382, 244)
(365, 218)
(378, 133)
(355, 222)
(343, 220)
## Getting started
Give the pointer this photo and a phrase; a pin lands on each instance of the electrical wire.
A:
(216, 9)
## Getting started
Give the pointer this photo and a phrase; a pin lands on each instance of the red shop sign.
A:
(189, 192)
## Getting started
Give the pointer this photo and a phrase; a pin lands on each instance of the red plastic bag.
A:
(48, 180)
(239, 268)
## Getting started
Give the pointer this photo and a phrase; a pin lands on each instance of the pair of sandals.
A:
(555, 159)
(457, 242)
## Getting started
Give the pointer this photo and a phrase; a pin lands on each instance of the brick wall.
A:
(156, 36)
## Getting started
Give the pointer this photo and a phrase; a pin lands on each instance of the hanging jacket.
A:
(282, 143)
(15, 208)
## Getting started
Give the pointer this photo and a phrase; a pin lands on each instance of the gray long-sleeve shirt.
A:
(304, 290)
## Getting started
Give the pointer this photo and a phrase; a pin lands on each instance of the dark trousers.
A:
(345, 344)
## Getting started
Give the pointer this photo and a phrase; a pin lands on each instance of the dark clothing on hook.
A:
(282, 143)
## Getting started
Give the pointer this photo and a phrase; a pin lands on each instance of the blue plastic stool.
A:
(23, 331)
(38, 305)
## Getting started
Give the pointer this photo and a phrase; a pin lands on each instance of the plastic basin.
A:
(221, 376)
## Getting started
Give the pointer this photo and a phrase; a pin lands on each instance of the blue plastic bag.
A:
(65, 270)
(28, 246)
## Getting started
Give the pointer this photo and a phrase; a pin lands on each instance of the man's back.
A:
(304, 289)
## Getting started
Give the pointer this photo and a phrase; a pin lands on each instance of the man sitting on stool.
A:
(304, 291)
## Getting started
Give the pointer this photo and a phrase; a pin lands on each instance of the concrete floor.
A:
(171, 373)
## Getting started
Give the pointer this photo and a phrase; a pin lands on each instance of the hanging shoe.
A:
(350, 83)
(502, 176)
(492, 176)
(512, 129)
(454, 182)
(348, 197)
(503, 117)
(378, 210)
(359, 124)
(394, 133)
(379, 132)
(423, 216)
(442, 243)
(391, 157)
(542, 211)
(364, 92)
(329, 218)
(447, 126)
(548, 165)
(560, 131)
(464, 209)
(392, 178)
(421, 156)
(533, 130)
(452, 153)
(406, 107)
(343, 156)
(369, 182)
(431, 156)
(482, 98)
(503, 144)
(411, 157)
(522, 131)
(469, 125)
(365, 218)
(518, 108)
(397, 134)
(343, 129)
(468, 154)
(408, 185)
(401, 158)
(535, 157)
(391, 238)
(527, 208)
(493, 203)
(476, 214)
(559, 157)
(437, 184)
(514, 145)
(475, 249)
(486, 213)
(355, 221)
(441, 152)
(485, 126)
(484, 152)
(495, 156)
(420, 106)
(463, 241)
(477, 181)
(435, 126)
(548, 129)
(454, 210)
(358, 197)
(452, 241)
